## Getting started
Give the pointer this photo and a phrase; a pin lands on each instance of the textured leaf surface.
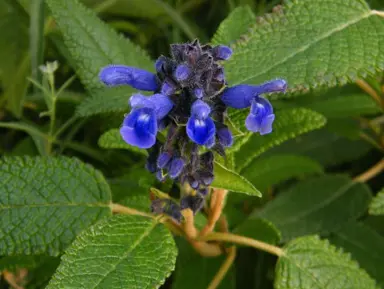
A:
(365, 246)
(309, 43)
(268, 171)
(92, 43)
(309, 262)
(288, 124)
(235, 25)
(46, 202)
(318, 205)
(196, 272)
(377, 205)
(340, 105)
(113, 140)
(323, 146)
(119, 252)
(259, 229)
(113, 99)
(231, 181)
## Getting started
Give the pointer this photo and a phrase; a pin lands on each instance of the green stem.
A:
(68, 123)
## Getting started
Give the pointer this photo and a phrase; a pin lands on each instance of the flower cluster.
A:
(190, 100)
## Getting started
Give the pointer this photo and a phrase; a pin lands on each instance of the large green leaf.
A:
(235, 25)
(289, 124)
(326, 147)
(365, 246)
(14, 56)
(194, 271)
(308, 42)
(119, 252)
(46, 202)
(309, 262)
(377, 205)
(318, 205)
(231, 181)
(268, 171)
(92, 43)
(111, 99)
(113, 140)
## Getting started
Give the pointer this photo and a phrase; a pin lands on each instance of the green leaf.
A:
(268, 171)
(235, 25)
(288, 124)
(341, 105)
(36, 37)
(112, 140)
(308, 43)
(365, 246)
(113, 99)
(325, 147)
(318, 205)
(46, 202)
(14, 56)
(194, 271)
(229, 180)
(92, 43)
(377, 205)
(39, 277)
(259, 229)
(309, 262)
(120, 252)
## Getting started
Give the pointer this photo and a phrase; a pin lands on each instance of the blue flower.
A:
(200, 127)
(141, 79)
(176, 167)
(261, 116)
(222, 52)
(240, 96)
(225, 137)
(140, 128)
(141, 125)
(182, 72)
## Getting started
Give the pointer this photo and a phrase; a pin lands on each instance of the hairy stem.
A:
(371, 172)
(217, 204)
(368, 89)
(120, 209)
(231, 255)
(232, 238)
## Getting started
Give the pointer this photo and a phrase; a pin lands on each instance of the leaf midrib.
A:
(309, 45)
(130, 249)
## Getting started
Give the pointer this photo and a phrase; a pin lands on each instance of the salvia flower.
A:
(190, 97)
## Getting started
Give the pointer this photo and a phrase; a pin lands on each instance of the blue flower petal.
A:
(198, 92)
(138, 101)
(140, 128)
(210, 142)
(163, 160)
(167, 88)
(239, 96)
(162, 104)
(141, 79)
(200, 109)
(176, 167)
(159, 64)
(222, 52)
(225, 137)
(200, 131)
(261, 117)
(182, 72)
